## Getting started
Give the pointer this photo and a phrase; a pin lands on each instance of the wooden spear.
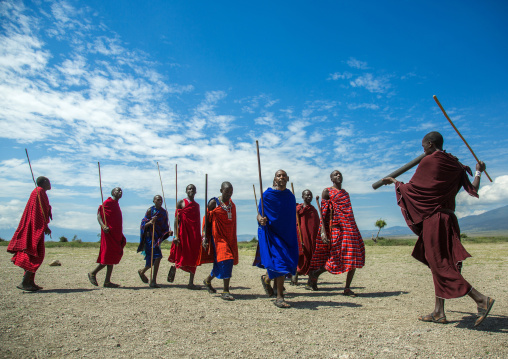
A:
(456, 130)
(297, 218)
(260, 181)
(38, 196)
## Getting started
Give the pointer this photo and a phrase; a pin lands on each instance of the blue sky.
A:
(322, 86)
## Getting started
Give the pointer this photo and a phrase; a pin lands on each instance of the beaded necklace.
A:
(227, 208)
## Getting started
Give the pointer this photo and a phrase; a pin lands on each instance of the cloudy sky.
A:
(322, 86)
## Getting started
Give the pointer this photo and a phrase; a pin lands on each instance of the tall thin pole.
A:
(102, 197)
(458, 133)
(297, 218)
(176, 202)
(151, 257)
(163, 197)
(255, 198)
(38, 196)
(206, 211)
(260, 181)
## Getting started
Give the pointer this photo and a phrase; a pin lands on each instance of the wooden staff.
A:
(163, 197)
(151, 258)
(255, 198)
(102, 197)
(297, 218)
(458, 133)
(260, 181)
(38, 196)
(206, 212)
(176, 203)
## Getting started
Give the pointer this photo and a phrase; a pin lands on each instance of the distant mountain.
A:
(494, 220)
(490, 221)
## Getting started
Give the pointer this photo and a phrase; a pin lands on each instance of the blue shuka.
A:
(277, 240)
(161, 233)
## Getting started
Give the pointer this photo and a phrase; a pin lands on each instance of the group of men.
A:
(293, 239)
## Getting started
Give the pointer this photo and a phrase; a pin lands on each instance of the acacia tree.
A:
(380, 223)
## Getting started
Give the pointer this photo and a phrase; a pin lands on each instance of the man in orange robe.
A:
(223, 240)
(27, 243)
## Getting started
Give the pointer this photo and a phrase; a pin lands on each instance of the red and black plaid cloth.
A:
(346, 249)
(27, 243)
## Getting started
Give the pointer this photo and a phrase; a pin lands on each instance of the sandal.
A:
(92, 279)
(142, 275)
(227, 296)
(483, 312)
(349, 293)
(266, 286)
(171, 274)
(111, 285)
(208, 286)
(430, 318)
(281, 303)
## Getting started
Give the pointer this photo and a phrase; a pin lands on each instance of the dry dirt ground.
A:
(70, 318)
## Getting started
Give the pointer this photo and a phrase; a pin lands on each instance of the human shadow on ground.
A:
(238, 296)
(315, 304)
(66, 290)
(381, 294)
(493, 323)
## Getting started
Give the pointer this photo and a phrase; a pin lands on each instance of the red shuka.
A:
(185, 255)
(309, 226)
(112, 243)
(27, 243)
(223, 231)
(427, 202)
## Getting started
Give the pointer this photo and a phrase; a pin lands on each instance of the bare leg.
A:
(479, 298)
(32, 280)
(280, 302)
(156, 264)
(349, 279)
(107, 280)
(191, 282)
(208, 284)
(439, 311)
(98, 269)
(26, 283)
(226, 285)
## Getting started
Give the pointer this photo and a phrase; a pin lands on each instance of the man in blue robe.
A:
(277, 238)
(156, 218)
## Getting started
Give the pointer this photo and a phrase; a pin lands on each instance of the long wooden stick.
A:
(38, 196)
(458, 133)
(255, 198)
(176, 202)
(151, 257)
(102, 197)
(260, 181)
(319, 209)
(163, 197)
(206, 211)
(297, 218)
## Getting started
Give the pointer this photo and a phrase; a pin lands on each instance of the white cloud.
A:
(372, 84)
(369, 106)
(357, 64)
(489, 193)
(340, 76)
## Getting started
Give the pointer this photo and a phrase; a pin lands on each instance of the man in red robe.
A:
(186, 247)
(112, 238)
(308, 219)
(340, 247)
(427, 202)
(223, 241)
(27, 243)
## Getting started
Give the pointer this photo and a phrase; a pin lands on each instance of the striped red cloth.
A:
(346, 249)
(27, 243)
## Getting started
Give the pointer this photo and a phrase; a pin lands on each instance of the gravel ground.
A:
(70, 318)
